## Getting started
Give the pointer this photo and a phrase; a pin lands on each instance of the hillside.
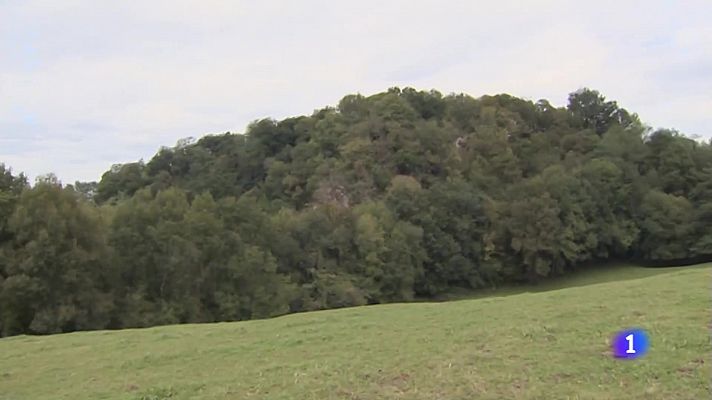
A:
(550, 344)
(403, 195)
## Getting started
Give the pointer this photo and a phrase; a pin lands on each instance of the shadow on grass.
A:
(583, 276)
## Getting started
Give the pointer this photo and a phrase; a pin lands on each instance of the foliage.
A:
(392, 197)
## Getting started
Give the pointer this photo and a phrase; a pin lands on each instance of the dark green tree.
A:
(54, 264)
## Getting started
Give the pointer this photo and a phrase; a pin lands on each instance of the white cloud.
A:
(84, 85)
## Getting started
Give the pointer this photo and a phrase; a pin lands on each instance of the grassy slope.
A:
(548, 345)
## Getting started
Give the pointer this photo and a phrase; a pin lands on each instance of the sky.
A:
(87, 84)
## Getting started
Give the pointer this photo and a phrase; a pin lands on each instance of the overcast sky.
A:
(87, 84)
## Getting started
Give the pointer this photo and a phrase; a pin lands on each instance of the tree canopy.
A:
(400, 195)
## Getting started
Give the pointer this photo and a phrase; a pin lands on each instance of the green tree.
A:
(701, 198)
(388, 197)
(595, 112)
(607, 205)
(120, 180)
(665, 226)
(55, 264)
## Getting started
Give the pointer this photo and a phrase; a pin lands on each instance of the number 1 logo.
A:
(631, 348)
(632, 343)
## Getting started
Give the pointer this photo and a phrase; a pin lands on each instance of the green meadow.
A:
(542, 342)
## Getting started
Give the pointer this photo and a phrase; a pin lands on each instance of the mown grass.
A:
(538, 345)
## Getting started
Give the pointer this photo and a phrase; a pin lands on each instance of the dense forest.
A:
(401, 195)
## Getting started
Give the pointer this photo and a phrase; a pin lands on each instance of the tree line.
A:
(401, 195)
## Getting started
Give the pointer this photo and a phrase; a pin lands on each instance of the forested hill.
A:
(384, 198)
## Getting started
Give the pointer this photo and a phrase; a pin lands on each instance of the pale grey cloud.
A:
(87, 84)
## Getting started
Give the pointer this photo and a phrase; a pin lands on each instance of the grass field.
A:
(549, 343)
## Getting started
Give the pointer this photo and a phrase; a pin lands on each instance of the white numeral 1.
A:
(630, 350)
